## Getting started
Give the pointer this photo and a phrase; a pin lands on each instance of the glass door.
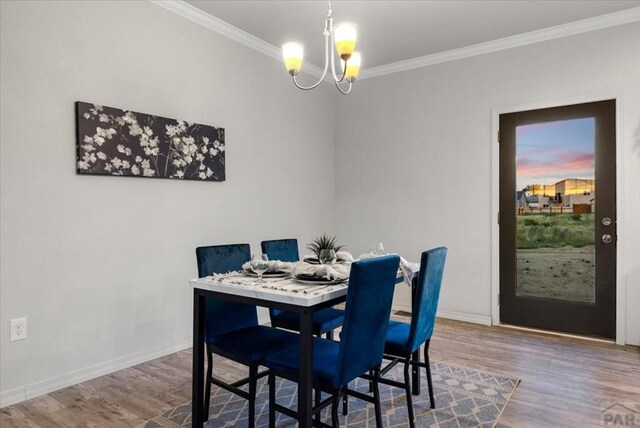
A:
(557, 219)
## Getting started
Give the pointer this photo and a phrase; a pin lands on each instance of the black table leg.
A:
(305, 382)
(197, 406)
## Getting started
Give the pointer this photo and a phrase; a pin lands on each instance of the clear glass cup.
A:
(377, 249)
(259, 264)
(328, 257)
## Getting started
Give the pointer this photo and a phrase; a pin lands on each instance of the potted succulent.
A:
(324, 242)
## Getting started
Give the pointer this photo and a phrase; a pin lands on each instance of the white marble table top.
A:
(280, 290)
(273, 290)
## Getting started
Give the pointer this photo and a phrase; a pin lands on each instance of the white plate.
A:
(320, 282)
(316, 262)
(268, 274)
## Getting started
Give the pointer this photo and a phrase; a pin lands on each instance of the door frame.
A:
(621, 286)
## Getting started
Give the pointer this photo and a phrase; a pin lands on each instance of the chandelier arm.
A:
(344, 92)
(333, 64)
(326, 59)
(306, 88)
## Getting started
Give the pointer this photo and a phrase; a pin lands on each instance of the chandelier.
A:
(344, 38)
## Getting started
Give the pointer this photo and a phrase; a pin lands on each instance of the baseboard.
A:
(400, 307)
(36, 389)
(461, 316)
(13, 396)
(451, 315)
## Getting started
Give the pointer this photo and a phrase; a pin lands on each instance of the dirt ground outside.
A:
(566, 273)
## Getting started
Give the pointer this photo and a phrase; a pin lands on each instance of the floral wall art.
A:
(112, 141)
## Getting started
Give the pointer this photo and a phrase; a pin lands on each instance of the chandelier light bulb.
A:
(353, 67)
(292, 54)
(345, 36)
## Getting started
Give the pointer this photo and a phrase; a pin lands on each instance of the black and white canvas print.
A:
(112, 141)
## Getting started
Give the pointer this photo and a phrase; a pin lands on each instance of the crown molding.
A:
(614, 19)
(626, 16)
(201, 17)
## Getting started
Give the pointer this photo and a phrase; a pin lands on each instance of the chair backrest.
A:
(223, 316)
(369, 298)
(285, 250)
(425, 299)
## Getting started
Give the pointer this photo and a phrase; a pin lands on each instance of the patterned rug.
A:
(464, 397)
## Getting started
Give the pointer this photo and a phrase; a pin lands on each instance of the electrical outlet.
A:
(18, 329)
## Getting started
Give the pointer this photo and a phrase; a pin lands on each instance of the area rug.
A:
(465, 397)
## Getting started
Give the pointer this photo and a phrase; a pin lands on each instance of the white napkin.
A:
(331, 272)
(274, 266)
(406, 267)
(407, 270)
(344, 256)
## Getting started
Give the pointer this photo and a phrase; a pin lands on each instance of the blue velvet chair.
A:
(285, 250)
(325, 320)
(404, 340)
(232, 330)
(360, 349)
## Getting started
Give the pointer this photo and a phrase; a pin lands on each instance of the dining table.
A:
(285, 294)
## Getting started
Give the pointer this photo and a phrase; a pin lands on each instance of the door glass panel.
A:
(555, 206)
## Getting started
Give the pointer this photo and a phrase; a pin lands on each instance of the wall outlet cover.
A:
(18, 329)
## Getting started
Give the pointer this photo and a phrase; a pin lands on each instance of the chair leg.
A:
(415, 373)
(345, 404)
(318, 398)
(272, 401)
(428, 369)
(407, 388)
(253, 373)
(335, 422)
(329, 335)
(376, 397)
(371, 382)
(207, 389)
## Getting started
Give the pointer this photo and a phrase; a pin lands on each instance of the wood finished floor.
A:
(565, 382)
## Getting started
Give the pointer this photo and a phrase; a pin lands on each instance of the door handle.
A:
(607, 239)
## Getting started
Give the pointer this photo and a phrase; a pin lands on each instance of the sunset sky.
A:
(549, 152)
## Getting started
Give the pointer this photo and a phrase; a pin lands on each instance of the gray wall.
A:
(99, 265)
(414, 159)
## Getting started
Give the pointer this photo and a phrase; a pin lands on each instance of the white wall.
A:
(413, 155)
(99, 264)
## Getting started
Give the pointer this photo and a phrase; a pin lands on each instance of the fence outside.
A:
(577, 209)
